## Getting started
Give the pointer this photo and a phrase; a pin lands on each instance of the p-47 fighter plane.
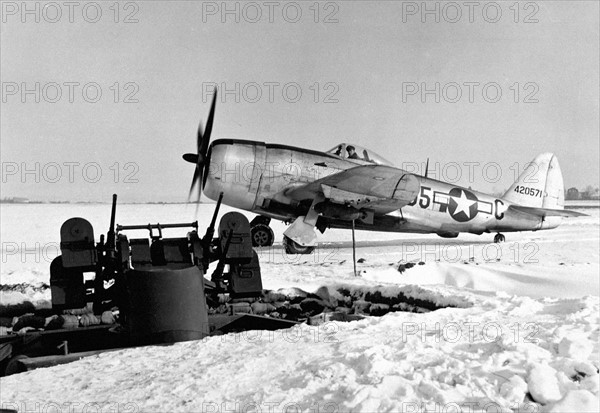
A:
(349, 186)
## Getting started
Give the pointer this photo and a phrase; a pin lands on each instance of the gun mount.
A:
(126, 290)
(113, 257)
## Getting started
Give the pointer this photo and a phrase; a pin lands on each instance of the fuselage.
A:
(255, 176)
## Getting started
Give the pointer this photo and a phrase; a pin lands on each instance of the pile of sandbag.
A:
(75, 318)
(298, 305)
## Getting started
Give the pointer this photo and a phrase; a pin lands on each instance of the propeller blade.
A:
(206, 141)
(209, 124)
(197, 174)
(200, 159)
(199, 188)
(206, 166)
(199, 136)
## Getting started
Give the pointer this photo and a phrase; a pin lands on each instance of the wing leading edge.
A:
(373, 185)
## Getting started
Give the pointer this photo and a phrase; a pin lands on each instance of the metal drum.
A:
(166, 305)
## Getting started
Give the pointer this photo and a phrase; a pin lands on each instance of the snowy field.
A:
(522, 334)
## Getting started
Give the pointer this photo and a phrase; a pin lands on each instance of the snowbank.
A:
(498, 351)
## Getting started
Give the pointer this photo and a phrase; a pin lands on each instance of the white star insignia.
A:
(463, 204)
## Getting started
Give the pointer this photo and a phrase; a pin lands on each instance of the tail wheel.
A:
(498, 238)
(262, 235)
(292, 247)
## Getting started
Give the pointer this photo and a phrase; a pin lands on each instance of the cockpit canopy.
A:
(344, 151)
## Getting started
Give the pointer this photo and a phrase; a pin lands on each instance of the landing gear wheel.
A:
(292, 247)
(13, 366)
(498, 238)
(262, 235)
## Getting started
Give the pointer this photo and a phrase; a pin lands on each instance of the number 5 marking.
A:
(424, 197)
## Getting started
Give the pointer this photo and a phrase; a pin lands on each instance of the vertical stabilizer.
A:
(540, 185)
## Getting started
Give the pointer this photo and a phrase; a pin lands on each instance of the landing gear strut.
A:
(499, 238)
(292, 247)
(261, 232)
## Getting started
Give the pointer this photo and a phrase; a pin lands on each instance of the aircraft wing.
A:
(373, 185)
(546, 212)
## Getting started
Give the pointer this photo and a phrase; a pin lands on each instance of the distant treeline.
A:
(21, 200)
(589, 192)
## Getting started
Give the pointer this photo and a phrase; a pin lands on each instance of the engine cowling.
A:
(235, 169)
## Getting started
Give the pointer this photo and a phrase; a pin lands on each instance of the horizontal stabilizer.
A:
(546, 212)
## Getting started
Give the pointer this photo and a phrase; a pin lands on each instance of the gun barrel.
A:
(113, 213)
(214, 217)
(110, 236)
(211, 229)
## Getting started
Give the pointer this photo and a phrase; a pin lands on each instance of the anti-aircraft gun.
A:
(155, 286)
(157, 283)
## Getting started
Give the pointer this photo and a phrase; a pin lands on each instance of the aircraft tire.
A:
(498, 238)
(292, 247)
(262, 235)
(13, 366)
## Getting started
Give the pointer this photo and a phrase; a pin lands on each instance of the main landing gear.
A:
(499, 238)
(261, 232)
(263, 236)
(292, 247)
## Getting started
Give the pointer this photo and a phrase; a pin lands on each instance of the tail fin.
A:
(540, 185)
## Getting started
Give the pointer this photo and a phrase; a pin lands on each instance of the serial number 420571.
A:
(528, 191)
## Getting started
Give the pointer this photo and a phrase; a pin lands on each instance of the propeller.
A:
(201, 158)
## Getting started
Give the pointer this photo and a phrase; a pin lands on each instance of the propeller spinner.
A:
(200, 159)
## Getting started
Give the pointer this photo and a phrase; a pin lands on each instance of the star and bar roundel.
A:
(463, 205)
(460, 203)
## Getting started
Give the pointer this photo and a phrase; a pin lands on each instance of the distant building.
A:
(572, 194)
(591, 193)
(15, 200)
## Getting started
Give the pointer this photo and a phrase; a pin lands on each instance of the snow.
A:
(519, 332)
(543, 384)
(576, 401)
(575, 347)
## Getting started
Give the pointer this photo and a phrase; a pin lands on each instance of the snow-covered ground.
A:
(522, 337)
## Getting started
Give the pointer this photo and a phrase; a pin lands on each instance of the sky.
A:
(105, 97)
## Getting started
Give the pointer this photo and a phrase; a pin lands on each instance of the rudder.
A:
(540, 185)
